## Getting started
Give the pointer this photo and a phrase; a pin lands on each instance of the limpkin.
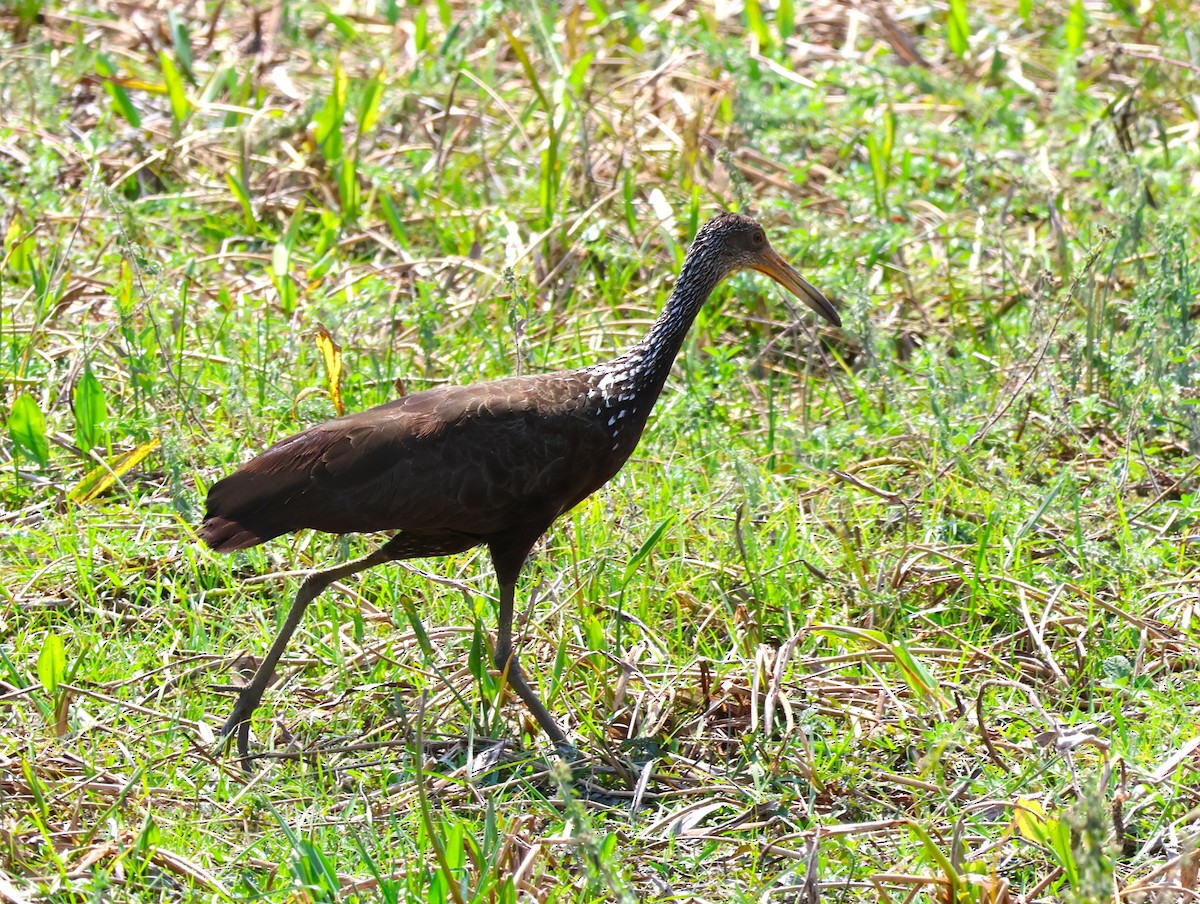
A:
(492, 464)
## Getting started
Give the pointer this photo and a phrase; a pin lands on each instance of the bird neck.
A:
(643, 368)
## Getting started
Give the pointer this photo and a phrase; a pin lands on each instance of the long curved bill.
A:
(781, 271)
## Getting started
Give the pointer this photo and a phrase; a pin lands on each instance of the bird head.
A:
(736, 242)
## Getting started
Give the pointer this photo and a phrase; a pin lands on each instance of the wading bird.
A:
(492, 464)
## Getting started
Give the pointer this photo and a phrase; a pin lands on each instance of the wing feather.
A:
(470, 460)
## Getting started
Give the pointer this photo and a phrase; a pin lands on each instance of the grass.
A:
(904, 611)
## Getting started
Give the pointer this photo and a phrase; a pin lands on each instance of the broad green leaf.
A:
(477, 657)
(1058, 837)
(594, 633)
(388, 208)
(291, 235)
(1076, 27)
(456, 851)
(879, 173)
(27, 427)
(349, 188)
(937, 855)
(958, 30)
(577, 77)
(52, 663)
(331, 226)
(327, 124)
(889, 136)
(919, 679)
(18, 247)
(91, 409)
(176, 94)
(181, 40)
(785, 14)
(414, 621)
(915, 673)
(757, 24)
(421, 29)
(114, 85)
(285, 285)
(368, 107)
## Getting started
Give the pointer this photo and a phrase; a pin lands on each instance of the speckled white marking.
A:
(641, 370)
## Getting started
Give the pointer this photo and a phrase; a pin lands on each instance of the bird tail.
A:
(227, 535)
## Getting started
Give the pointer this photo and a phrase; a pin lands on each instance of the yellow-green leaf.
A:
(1076, 27)
(18, 246)
(101, 478)
(331, 354)
(52, 663)
(368, 109)
(176, 94)
(958, 29)
(1029, 817)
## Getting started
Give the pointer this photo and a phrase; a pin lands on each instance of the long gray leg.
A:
(506, 661)
(250, 697)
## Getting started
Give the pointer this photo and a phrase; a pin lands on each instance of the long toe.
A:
(568, 751)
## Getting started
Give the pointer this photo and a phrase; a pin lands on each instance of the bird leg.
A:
(509, 666)
(252, 693)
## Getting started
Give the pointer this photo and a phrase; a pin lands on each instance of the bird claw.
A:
(568, 752)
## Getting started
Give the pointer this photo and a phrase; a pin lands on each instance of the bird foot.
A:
(568, 752)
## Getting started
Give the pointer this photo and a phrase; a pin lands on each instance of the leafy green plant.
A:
(958, 28)
(1076, 28)
(27, 430)
(121, 100)
(879, 153)
(176, 93)
(91, 411)
(52, 672)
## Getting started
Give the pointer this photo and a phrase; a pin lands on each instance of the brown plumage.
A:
(492, 464)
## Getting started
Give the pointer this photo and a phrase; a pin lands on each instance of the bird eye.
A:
(759, 238)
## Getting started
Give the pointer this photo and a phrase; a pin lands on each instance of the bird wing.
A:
(469, 460)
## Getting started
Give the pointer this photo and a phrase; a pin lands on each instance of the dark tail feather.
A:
(225, 535)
